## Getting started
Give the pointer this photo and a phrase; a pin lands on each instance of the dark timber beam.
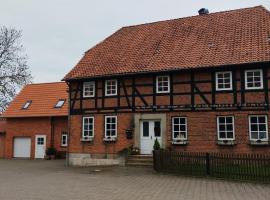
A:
(171, 91)
(192, 90)
(103, 94)
(141, 97)
(213, 86)
(201, 95)
(75, 95)
(96, 95)
(154, 93)
(242, 78)
(125, 93)
(118, 94)
(265, 84)
(81, 95)
(234, 85)
(133, 94)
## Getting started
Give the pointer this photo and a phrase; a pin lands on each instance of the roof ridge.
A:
(56, 82)
(214, 13)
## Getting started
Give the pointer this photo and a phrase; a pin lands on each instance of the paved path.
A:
(50, 180)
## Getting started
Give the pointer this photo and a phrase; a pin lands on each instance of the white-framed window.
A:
(258, 127)
(111, 87)
(225, 128)
(88, 127)
(179, 128)
(110, 126)
(163, 84)
(254, 79)
(223, 81)
(64, 139)
(89, 89)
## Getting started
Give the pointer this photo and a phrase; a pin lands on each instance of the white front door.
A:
(149, 131)
(40, 146)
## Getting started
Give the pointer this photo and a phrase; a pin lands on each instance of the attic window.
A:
(60, 103)
(27, 104)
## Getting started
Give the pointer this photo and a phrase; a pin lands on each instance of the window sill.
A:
(110, 95)
(63, 146)
(88, 97)
(223, 90)
(87, 139)
(112, 139)
(226, 142)
(258, 143)
(163, 92)
(254, 89)
(179, 142)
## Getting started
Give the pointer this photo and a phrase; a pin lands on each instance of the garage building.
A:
(36, 119)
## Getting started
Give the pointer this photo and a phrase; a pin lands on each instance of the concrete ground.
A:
(39, 179)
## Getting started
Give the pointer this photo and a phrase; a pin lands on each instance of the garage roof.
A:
(39, 100)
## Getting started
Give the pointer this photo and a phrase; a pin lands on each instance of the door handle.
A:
(151, 137)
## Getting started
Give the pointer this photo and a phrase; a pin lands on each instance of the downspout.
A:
(69, 125)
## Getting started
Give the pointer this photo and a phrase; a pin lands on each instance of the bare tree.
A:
(14, 72)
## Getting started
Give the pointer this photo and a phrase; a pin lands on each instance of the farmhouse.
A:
(197, 83)
(36, 119)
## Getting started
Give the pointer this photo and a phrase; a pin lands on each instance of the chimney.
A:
(203, 11)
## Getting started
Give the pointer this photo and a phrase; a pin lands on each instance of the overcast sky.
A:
(56, 33)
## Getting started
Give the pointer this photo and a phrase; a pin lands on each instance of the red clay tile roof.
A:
(222, 38)
(44, 97)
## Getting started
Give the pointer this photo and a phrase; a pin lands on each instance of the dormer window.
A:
(27, 104)
(60, 103)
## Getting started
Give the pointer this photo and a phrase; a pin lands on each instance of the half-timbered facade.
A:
(199, 83)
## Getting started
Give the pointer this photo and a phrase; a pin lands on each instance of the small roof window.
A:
(27, 104)
(60, 103)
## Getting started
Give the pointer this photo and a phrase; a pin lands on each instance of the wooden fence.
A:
(222, 165)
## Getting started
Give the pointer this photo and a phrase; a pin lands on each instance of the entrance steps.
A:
(140, 161)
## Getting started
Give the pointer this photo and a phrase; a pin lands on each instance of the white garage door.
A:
(22, 147)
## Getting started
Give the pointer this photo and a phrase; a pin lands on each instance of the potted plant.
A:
(156, 145)
(51, 152)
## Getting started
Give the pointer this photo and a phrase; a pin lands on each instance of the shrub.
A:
(156, 145)
(51, 151)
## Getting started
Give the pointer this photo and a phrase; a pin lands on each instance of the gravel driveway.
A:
(39, 179)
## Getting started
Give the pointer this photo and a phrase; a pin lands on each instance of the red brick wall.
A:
(98, 146)
(29, 127)
(202, 134)
(2, 125)
(60, 125)
(2, 145)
